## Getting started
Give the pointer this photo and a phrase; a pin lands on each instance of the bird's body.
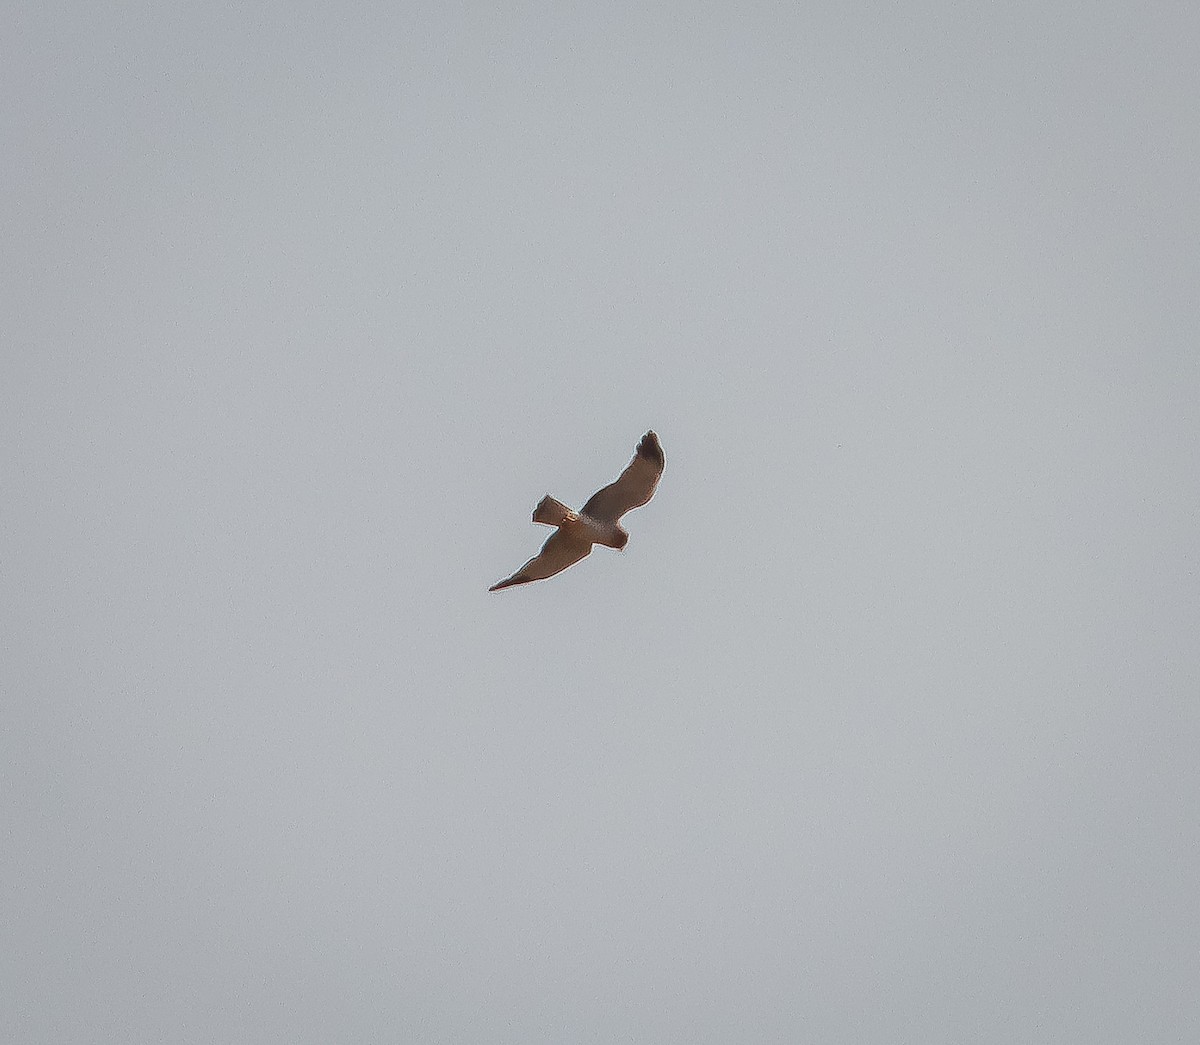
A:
(597, 522)
(578, 525)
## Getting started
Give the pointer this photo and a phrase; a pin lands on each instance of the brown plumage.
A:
(597, 522)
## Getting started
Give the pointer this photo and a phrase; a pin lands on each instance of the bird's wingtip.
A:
(508, 582)
(651, 449)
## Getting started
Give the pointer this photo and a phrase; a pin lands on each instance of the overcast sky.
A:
(884, 727)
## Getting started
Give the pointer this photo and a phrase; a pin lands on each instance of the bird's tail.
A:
(550, 511)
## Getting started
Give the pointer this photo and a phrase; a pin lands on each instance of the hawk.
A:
(597, 522)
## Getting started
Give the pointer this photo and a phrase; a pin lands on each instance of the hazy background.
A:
(885, 726)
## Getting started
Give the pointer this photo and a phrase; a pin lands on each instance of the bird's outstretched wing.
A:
(635, 486)
(559, 552)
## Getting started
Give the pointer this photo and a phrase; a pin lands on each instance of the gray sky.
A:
(883, 728)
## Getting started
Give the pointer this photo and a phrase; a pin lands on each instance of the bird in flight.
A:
(597, 522)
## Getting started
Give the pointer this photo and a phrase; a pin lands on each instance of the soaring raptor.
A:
(597, 522)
